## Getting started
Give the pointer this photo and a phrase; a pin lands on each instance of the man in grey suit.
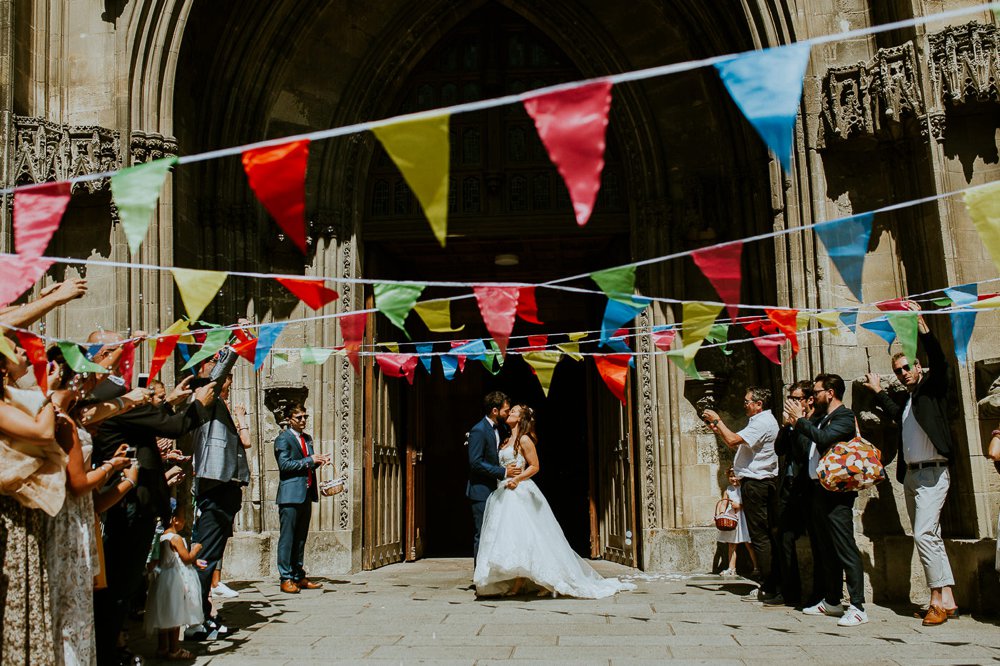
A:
(296, 492)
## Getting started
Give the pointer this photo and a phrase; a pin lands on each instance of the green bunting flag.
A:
(493, 361)
(136, 191)
(315, 355)
(396, 300)
(906, 327)
(617, 283)
(75, 358)
(214, 341)
(719, 335)
(278, 359)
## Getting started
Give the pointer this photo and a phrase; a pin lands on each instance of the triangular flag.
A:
(846, 242)
(38, 210)
(397, 365)
(424, 352)
(34, 347)
(494, 359)
(136, 191)
(77, 360)
(544, 364)
(279, 359)
(906, 326)
(613, 369)
(527, 307)
(787, 323)
(314, 355)
(164, 346)
(215, 341)
(265, 340)
(571, 349)
(474, 350)
(247, 349)
(770, 346)
(420, 149)
(19, 274)
(892, 305)
(829, 320)
(663, 337)
(455, 344)
(449, 364)
(850, 319)
(719, 335)
(767, 86)
(391, 346)
(126, 362)
(311, 292)
(436, 316)
(197, 288)
(498, 306)
(617, 283)
(697, 322)
(277, 175)
(984, 209)
(721, 265)
(881, 327)
(618, 313)
(538, 342)
(962, 321)
(352, 329)
(572, 125)
(680, 358)
(396, 300)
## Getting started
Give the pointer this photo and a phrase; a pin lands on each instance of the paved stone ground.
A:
(425, 612)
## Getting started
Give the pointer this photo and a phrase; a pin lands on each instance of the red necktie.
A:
(305, 453)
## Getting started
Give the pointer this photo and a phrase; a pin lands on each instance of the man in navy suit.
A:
(296, 492)
(484, 461)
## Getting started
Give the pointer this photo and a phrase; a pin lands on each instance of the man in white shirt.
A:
(756, 466)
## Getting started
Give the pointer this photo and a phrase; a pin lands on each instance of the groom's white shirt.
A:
(496, 431)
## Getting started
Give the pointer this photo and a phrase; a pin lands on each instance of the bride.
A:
(521, 542)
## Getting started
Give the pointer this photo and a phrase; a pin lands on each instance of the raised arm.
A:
(40, 428)
(21, 316)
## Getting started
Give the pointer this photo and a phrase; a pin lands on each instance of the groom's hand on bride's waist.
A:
(513, 470)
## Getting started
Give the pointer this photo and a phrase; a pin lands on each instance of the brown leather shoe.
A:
(307, 584)
(952, 613)
(289, 586)
(935, 615)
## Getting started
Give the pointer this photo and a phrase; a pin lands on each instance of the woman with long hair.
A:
(521, 545)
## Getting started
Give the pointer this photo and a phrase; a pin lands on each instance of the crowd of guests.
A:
(92, 507)
(776, 491)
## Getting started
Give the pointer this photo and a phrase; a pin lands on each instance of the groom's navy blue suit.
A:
(484, 470)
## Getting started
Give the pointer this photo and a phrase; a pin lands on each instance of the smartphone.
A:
(130, 452)
(143, 380)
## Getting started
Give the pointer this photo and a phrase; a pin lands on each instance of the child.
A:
(175, 595)
(740, 534)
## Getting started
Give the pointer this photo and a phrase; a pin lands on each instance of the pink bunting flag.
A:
(663, 339)
(498, 306)
(398, 365)
(38, 210)
(352, 328)
(572, 125)
(527, 308)
(311, 292)
(721, 265)
(613, 369)
(892, 305)
(770, 346)
(277, 175)
(19, 273)
(461, 357)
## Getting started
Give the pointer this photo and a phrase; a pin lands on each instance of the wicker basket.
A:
(725, 520)
(332, 487)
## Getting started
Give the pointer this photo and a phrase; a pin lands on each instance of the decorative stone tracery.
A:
(146, 147)
(46, 151)
(964, 63)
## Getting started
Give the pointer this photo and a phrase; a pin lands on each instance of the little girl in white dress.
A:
(741, 534)
(174, 597)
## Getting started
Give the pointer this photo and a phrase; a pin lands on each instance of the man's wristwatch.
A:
(715, 423)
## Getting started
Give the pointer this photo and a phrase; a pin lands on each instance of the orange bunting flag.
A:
(614, 371)
(34, 347)
(498, 306)
(787, 323)
(277, 175)
(398, 365)
(247, 348)
(721, 265)
(311, 292)
(19, 273)
(527, 308)
(572, 124)
(38, 210)
(352, 328)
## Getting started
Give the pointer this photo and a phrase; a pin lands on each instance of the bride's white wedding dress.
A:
(521, 538)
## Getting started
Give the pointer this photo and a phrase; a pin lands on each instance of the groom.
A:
(484, 462)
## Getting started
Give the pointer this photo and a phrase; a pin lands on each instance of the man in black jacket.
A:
(924, 453)
(832, 512)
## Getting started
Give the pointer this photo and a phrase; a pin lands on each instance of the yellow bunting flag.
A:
(421, 152)
(829, 321)
(572, 348)
(802, 321)
(987, 303)
(698, 320)
(176, 328)
(984, 208)
(7, 349)
(391, 346)
(544, 364)
(436, 315)
(197, 288)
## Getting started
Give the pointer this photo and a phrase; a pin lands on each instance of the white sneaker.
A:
(823, 609)
(853, 617)
(728, 572)
(224, 591)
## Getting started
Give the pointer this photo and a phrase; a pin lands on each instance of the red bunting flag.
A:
(663, 339)
(498, 306)
(38, 210)
(164, 348)
(247, 347)
(770, 346)
(277, 175)
(614, 371)
(527, 308)
(538, 342)
(461, 357)
(34, 347)
(891, 305)
(126, 363)
(721, 265)
(572, 125)
(398, 365)
(19, 273)
(352, 328)
(787, 322)
(311, 292)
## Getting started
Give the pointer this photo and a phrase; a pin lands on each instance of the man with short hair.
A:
(832, 512)
(925, 450)
(484, 439)
(756, 466)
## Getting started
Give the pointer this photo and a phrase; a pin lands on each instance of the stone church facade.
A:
(90, 86)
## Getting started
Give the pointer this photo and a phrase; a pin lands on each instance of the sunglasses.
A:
(901, 369)
(800, 398)
(299, 416)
